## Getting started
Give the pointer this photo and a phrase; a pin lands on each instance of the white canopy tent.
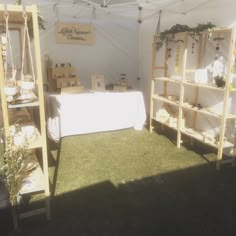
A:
(124, 30)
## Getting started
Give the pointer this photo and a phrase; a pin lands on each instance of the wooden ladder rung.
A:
(32, 213)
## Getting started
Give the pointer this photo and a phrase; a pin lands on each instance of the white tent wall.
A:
(114, 52)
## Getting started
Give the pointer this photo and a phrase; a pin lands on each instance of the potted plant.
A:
(219, 81)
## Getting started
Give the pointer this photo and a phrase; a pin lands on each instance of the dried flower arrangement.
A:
(14, 166)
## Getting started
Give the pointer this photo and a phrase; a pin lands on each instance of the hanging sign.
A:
(74, 33)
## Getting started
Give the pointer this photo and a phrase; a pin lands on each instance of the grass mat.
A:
(136, 183)
(120, 156)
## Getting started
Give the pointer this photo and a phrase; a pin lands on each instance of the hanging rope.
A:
(8, 43)
(26, 34)
(93, 15)
(140, 15)
(158, 28)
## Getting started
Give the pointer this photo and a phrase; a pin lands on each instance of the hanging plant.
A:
(170, 34)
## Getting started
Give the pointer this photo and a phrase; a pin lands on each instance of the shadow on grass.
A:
(56, 163)
(193, 201)
(203, 150)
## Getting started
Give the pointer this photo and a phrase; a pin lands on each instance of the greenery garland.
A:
(170, 33)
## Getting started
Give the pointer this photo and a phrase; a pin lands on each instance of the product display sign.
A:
(74, 33)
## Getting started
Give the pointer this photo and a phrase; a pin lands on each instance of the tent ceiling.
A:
(179, 6)
(173, 11)
(113, 2)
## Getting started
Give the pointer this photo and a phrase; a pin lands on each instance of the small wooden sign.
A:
(98, 82)
(74, 33)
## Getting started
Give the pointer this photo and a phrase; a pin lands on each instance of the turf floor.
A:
(136, 183)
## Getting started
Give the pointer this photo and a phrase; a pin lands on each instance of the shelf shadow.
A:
(54, 162)
(193, 201)
(203, 150)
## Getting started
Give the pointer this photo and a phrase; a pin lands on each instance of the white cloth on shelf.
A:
(201, 76)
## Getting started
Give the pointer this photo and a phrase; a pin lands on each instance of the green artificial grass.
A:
(131, 182)
(119, 157)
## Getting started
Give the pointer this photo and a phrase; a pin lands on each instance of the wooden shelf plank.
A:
(32, 213)
(200, 137)
(60, 70)
(192, 83)
(34, 182)
(29, 104)
(26, 100)
(165, 123)
(166, 79)
(206, 112)
(204, 86)
(163, 99)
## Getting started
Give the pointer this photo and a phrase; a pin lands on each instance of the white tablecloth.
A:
(84, 113)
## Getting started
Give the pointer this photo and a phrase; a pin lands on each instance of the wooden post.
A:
(151, 106)
(3, 98)
(165, 68)
(181, 94)
(226, 96)
(199, 64)
(154, 48)
(41, 107)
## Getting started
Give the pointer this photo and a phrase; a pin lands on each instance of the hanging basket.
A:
(11, 89)
(28, 83)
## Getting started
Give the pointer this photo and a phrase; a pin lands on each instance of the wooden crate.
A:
(59, 77)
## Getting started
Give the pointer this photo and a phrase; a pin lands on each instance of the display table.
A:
(74, 114)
